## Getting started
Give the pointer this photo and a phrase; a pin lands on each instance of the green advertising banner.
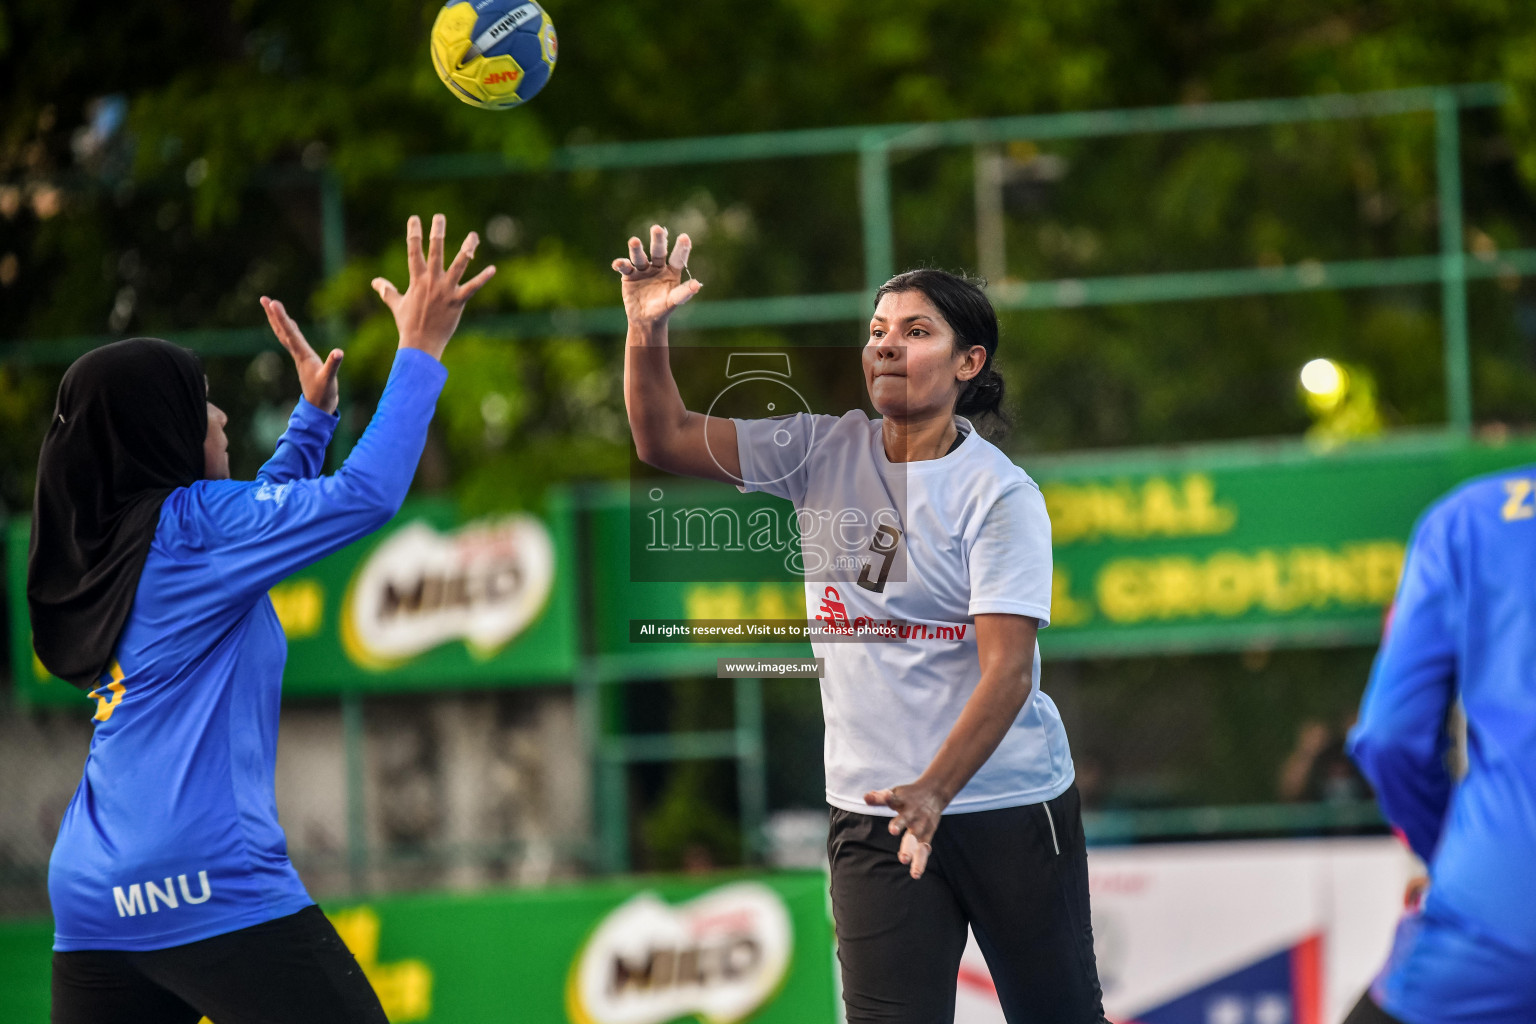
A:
(1215, 549)
(631, 951)
(428, 602)
(1220, 547)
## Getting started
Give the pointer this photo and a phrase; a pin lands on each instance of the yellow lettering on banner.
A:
(733, 601)
(1066, 610)
(1233, 583)
(1158, 507)
(780, 601)
(404, 987)
(1204, 515)
(1516, 508)
(1160, 512)
(300, 607)
(718, 602)
(1123, 592)
(1383, 569)
(1178, 588)
(1228, 584)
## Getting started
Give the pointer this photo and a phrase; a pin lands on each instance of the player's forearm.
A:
(1412, 784)
(377, 474)
(657, 415)
(300, 452)
(1400, 741)
(983, 722)
(1417, 807)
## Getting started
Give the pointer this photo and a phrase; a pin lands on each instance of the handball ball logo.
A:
(759, 388)
(493, 54)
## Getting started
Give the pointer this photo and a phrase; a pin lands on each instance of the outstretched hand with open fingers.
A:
(317, 377)
(428, 313)
(653, 284)
(919, 808)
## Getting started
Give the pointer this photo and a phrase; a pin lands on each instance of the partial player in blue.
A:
(1463, 628)
(172, 893)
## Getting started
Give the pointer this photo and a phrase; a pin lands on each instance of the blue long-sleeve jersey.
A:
(1464, 624)
(172, 835)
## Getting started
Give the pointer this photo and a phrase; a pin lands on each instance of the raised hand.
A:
(428, 313)
(316, 378)
(653, 284)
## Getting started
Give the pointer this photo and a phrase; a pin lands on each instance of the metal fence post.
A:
(610, 820)
(991, 240)
(357, 808)
(875, 207)
(333, 258)
(751, 772)
(599, 702)
(612, 779)
(333, 227)
(1453, 263)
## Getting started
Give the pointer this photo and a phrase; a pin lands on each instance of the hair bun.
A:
(983, 395)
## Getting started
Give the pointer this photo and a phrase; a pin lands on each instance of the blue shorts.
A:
(1443, 970)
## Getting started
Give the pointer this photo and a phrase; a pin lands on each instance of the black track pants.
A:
(1367, 1012)
(294, 970)
(1018, 876)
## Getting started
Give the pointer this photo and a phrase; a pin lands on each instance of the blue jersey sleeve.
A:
(300, 453)
(1400, 741)
(256, 533)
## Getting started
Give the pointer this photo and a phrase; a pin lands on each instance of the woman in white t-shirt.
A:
(948, 771)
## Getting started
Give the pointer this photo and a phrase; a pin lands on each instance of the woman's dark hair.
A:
(969, 313)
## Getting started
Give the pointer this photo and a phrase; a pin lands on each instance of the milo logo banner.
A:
(709, 950)
(483, 584)
(435, 600)
(429, 601)
(721, 956)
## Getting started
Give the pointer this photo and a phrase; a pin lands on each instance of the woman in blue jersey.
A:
(172, 892)
(1462, 629)
(948, 771)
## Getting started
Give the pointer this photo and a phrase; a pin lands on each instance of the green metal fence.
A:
(875, 145)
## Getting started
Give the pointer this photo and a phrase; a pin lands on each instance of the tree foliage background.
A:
(176, 220)
(180, 217)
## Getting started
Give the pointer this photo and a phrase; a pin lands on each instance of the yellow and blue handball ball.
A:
(493, 54)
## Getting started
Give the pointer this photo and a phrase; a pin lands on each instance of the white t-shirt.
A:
(932, 544)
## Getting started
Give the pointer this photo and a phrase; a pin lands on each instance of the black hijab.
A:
(127, 430)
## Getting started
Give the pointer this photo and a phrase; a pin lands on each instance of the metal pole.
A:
(589, 697)
(333, 228)
(357, 807)
(875, 206)
(751, 773)
(333, 255)
(333, 259)
(991, 247)
(612, 766)
(613, 796)
(1453, 264)
(599, 701)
